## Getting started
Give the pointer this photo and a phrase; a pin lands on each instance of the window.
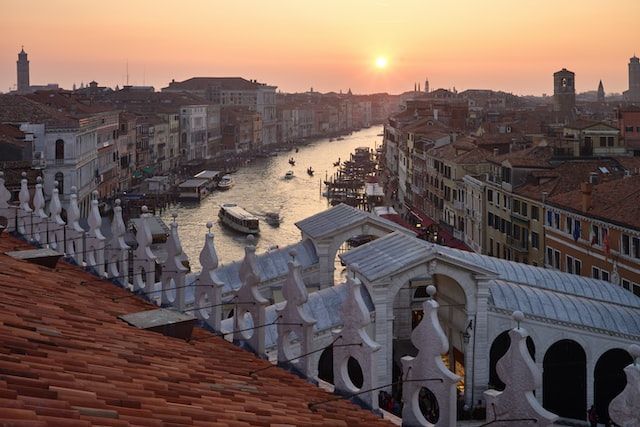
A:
(535, 213)
(595, 235)
(569, 264)
(556, 220)
(569, 225)
(556, 259)
(549, 256)
(553, 258)
(490, 219)
(516, 206)
(59, 149)
(59, 178)
(577, 267)
(636, 290)
(535, 240)
(635, 247)
(603, 141)
(523, 209)
(626, 249)
(609, 141)
(628, 128)
(490, 247)
(595, 273)
(604, 275)
(626, 284)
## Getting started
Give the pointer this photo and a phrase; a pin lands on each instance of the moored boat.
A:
(226, 182)
(233, 216)
(310, 171)
(273, 219)
(288, 175)
(292, 161)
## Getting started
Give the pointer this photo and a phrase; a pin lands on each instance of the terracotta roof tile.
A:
(67, 360)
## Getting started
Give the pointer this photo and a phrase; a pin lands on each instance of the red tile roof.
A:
(67, 360)
(616, 201)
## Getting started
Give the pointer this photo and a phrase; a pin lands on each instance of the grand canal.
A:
(260, 187)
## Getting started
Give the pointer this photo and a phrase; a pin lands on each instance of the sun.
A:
(381, 62)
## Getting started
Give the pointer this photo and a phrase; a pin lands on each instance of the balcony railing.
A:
(517, 244)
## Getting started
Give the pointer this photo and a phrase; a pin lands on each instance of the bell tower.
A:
(23, 72)
(564, 93)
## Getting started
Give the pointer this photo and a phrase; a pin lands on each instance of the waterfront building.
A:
(241, 130)
(235, 91)
(595, 231)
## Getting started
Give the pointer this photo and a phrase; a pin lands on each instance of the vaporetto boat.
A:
(235, 217)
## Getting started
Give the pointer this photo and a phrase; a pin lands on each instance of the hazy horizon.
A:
(365, 46)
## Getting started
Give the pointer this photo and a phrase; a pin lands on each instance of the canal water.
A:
(260, 187)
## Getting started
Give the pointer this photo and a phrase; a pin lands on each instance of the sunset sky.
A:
(511, 45)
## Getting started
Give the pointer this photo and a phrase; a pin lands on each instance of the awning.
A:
(149, 169)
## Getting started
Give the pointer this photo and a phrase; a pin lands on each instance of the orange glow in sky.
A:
(329, 45)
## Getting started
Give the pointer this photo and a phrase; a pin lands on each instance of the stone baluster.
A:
(7, 211)
(295, 321)
(95, 240)
(144, 260)
(117, 251)
(208, 290)
(56, 223)
(250, 303)
(39, 218)
(25, 212)
(174, 271)
(75, 233)
(624, 409)
(521, 377)
(352, 341)
(428, 371)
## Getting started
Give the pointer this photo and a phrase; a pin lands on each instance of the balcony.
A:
(458, 205)
(517, 244)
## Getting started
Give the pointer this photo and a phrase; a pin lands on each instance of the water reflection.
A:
(261, 187)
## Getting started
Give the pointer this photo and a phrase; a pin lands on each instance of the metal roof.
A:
(193, 183)
(324, 306)
(238, 212)
(536, 291)
(339, 217)
(272, 265)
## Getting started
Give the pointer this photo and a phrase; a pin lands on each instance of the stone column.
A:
(383, 333)
(468, 361)
(325, 265)
(480, 368)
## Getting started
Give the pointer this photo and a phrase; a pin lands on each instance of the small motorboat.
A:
(288, 175)
(331, 139)
(273, 219)
(292, 161)
(297, 149)
(340, 138)
(225, 183)
(310, 171)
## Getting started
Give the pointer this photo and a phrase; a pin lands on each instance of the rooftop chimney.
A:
(544, 196)
(496, 151)
(593, 178)
(586, 188)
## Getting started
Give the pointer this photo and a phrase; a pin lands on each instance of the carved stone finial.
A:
(39, 180)
(518, 316)
(209, 226)
(431, 341)
(24, 175)
(144, 209)
(521, 377)
(431, 291)
(118, 202)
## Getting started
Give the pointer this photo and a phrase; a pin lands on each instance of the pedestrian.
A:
(592, 415)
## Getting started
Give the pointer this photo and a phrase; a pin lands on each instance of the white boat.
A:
(288, 175)
(225, 183)
(233, 216)
(273, 219)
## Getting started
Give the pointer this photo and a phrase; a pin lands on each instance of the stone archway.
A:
(564, 380)
(609, 379)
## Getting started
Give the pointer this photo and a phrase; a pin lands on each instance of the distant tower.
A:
(418, 87)
(564, 93)
(633, 94)
(600, 92)
(415, 87)
(426, 85)
(23, 72)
